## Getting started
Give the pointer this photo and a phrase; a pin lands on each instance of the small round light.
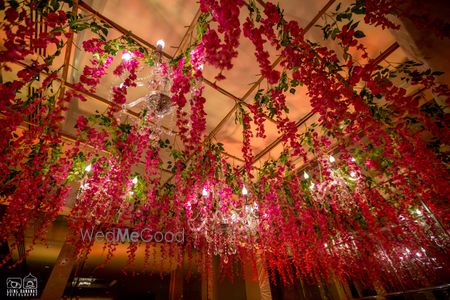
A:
(88, 168)
(305, 175)
(204, 192)
(418, 212)
(244, 191)
(135, 180)
(353, 174)
(311, 186)
(126, 56)
(332, 159)
(160, 44)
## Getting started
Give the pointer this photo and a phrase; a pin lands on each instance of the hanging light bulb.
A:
(126, 56)
(160, 44)
(353, 159)
(244, 191)
(305, 175)
(204, 192)
(332, 159)
(135, 180)
(88, 168)
(311, 186)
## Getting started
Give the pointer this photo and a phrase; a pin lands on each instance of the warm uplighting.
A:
(175, 147)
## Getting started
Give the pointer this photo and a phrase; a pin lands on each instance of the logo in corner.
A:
(22, 287)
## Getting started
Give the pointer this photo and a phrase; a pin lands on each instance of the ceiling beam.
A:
(213, 133)
(376, 61)
(142, 42)
(68, 53)
(333, 147)
(261, 78)
(67, 136)
(188, 35)
(124, 31)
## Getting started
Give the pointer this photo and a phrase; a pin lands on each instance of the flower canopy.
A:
(369, 200)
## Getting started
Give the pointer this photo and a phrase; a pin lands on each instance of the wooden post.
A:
(56, 283)
(176, 284)
(209, 278)
(263, 278)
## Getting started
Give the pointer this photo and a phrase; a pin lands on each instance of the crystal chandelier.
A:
(157, 101)
(222, 219)
(156, 105)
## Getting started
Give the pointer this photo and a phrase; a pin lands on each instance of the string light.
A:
(332, 159)
(418, 212)
(135, 180)
(88, 168)
(311, 186)
(353, 174)
(204, 192)
(305, 175)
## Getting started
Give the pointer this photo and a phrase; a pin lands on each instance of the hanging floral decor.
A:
(370, 202)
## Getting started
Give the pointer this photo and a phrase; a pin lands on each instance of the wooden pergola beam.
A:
(242, 100)
(188, 33)
(332, 148)
(376, 61)
(261, 78)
